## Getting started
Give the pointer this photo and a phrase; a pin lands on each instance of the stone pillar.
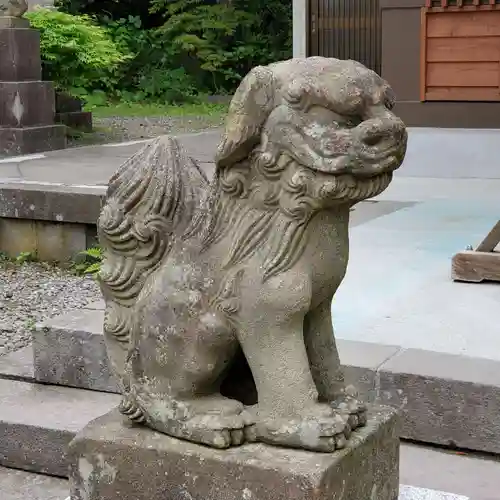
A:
(27, 104)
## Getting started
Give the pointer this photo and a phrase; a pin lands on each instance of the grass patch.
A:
(148, 109)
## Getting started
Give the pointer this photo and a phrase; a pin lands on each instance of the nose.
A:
(377, 131)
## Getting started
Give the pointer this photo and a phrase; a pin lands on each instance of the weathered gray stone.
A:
(9, 22)
(361, 362)
(19, 141)
(445, 399)
(26, 104)
(37, 423)
(18, 365)
(198, 273)
(113, 461)
(51, 203)
(19, 53)
(80, 120)
(69, 350)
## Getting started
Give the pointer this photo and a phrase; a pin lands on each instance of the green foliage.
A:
(175, 50)
(77, 54)
(91, 262)
(24, 257)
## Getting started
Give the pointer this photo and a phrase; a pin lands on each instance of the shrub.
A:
(76, 52)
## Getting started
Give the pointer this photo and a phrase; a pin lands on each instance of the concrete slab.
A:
(473, 476)
(453, 153)
(21, 485)
(18, 365)
(37, 423)
(94, 165)
(400, 263)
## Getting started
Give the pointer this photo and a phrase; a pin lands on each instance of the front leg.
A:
(271, 333)
(322, 352)
(325, 364)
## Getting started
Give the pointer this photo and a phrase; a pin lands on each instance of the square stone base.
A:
(111, 460)
(21, 141)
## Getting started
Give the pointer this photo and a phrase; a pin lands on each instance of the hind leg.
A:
(177, 370)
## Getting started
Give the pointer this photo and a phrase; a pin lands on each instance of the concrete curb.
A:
(51, 202)
(444, 399)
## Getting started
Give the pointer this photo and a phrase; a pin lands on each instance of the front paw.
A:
(348, 404)
(319, 428)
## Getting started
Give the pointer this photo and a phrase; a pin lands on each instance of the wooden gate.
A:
(346, 29)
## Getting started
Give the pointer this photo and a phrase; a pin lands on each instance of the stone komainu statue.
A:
(13, 8)
(203, 279)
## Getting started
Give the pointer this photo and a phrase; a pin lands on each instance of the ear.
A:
(251, 105)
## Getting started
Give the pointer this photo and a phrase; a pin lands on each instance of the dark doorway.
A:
(346, 29)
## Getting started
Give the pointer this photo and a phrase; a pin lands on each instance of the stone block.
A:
(37, 423)
(26, 104)
(110, 460)
(80, 120)
(18, 365)
(51, 203)
(66, 103)
(10, 22)
(19, 141)
(19, 54)
(51, 242)
(445, 399)
(361, 361)
(69, 350)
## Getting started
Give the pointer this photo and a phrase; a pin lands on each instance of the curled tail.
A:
(151, 199)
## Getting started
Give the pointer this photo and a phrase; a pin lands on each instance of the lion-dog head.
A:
(332, 119)
(302, 136)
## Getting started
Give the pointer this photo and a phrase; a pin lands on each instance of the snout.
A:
(380, 144)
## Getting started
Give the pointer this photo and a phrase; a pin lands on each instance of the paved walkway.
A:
(398, 289)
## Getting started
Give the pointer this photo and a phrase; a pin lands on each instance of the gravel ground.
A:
(121, 129)
(31, 293)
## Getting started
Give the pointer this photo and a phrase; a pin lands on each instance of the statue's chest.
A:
(327, 253)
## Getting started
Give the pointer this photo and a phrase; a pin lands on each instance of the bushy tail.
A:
(150, 200)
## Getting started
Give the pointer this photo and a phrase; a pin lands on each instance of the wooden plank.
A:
(463, 24)
(491, 241)
(462, 94)
(423, 53)
(475, 267)
(463, 74)
(478, 49)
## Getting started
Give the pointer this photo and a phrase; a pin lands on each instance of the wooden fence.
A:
(460, 50)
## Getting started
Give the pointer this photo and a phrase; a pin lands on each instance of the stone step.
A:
(21, 485)
(37, 422)
(445, 399)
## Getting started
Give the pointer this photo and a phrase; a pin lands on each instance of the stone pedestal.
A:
(27, 104)
(69, 111)
(111, 460)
